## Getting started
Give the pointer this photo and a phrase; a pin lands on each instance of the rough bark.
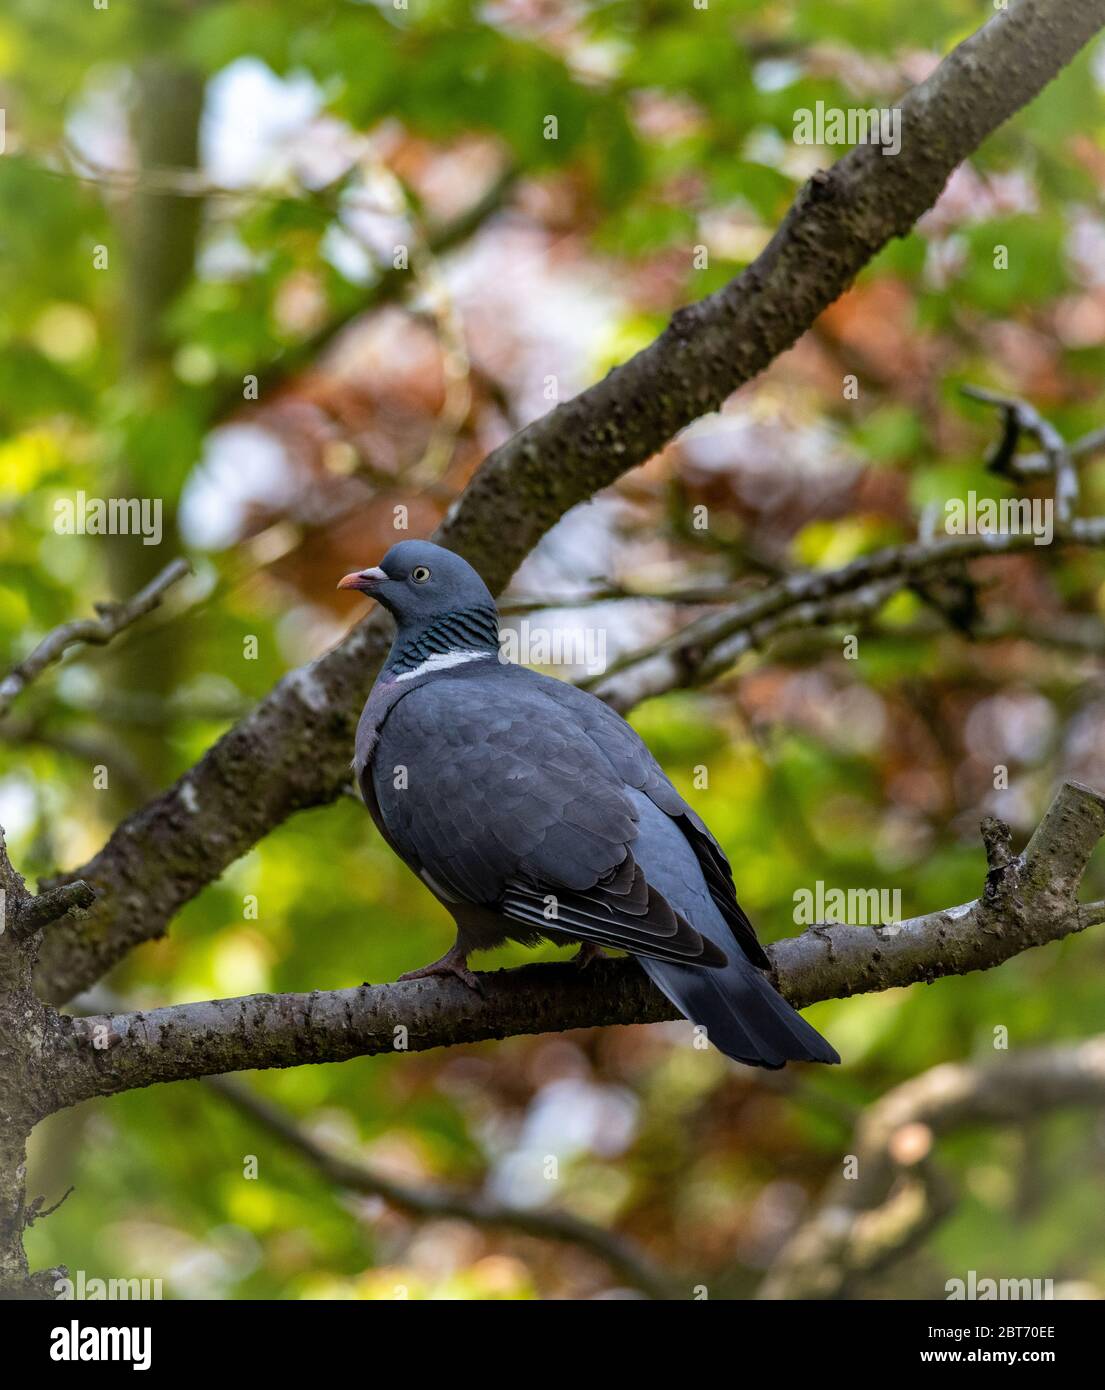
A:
(292, 751)
(840, 220)
(27, 1030)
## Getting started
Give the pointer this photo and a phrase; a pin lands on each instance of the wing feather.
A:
(634, 764)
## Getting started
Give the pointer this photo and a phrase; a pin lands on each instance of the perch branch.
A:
(1029, 899)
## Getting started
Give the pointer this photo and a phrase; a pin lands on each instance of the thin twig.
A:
(689, 596)
(625, 1258)
(706, 648)
(37, 1212)
(1019, 416)
(114, 617)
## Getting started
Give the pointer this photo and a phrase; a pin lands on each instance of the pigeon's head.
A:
(419, 582)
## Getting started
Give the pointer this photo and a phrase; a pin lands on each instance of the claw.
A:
(454, 962)
(588, 951)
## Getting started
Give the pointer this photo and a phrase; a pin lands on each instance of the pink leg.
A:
(588, 951)
(454, 962)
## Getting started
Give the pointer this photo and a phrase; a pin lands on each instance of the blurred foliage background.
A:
(194, 196)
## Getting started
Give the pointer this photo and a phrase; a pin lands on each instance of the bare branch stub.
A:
(24, 914)
(54, 904)
(1031, 899)
(1055, 460)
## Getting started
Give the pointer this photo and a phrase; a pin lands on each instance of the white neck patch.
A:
(440, 661)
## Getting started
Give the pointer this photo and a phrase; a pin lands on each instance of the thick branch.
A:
(293, 751)
(1028, 900)
(24, 1024)
(840, 219)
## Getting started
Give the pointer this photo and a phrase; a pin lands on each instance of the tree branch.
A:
(53, 905)
(703, 650)
(1028, 900)
(436, 1203)
(896, 1193)
(1034, 465)
(292, 751)
(855, 592)
(22, 914)
(114, 617)
(391, 286)
(839, 221)
(1055, 460)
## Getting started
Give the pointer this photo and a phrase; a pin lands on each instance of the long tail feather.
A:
(743, 1015)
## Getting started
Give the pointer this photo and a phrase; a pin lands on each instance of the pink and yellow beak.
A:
(363, 580)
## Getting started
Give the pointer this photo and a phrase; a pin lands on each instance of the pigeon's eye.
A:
(420, 574)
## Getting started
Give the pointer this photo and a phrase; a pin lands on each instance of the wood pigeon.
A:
(532, 810)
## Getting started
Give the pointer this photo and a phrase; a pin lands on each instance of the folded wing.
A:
(495, 794)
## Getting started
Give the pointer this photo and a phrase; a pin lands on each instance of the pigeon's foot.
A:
(588, 951)
(454, 962)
